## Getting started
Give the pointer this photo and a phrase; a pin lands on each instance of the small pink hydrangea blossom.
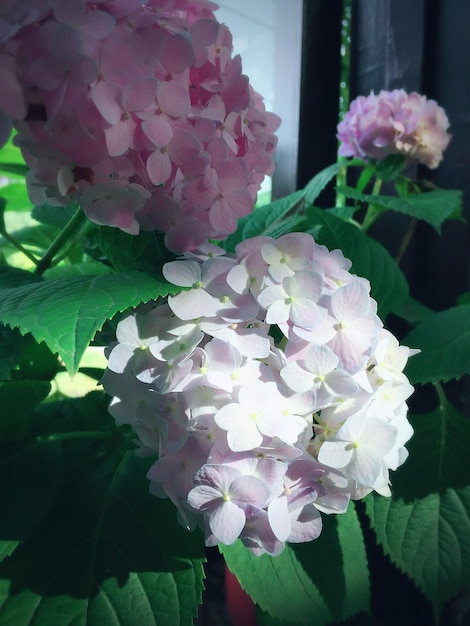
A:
(394, 122)
(255, 441)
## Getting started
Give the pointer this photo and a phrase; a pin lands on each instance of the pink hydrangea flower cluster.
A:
(137, 111)
(395, 122)
(256, 440)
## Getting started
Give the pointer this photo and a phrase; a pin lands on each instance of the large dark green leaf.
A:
(425, 526)
(444, 341)
(309, 583)
(145, 252)
(17, 399)
(369, 258)
(66, 313)
(433, 207)
(107, 552)
(14, 277)
(30, 477)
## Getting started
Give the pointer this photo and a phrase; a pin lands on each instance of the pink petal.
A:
(184, 147)
(177, 53)
(139, 94)
(158, 130)
(159, 167)
(279, 518)
(104, 94)
(173, 99)
(227, 522)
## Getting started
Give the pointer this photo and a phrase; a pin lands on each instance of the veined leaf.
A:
(444, 341)
(321, 180)
(274, 219)
(145, 252)
(433, 207)
(66, 313)
(369, 258)
(11, 277)
(265, 218)
(425, 526)
(293, 588)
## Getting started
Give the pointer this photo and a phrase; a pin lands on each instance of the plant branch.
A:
(62, 238)
(406, 240)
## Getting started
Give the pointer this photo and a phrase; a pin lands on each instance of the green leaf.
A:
(88, 268)
(106, 553)
(145, 252)
(369, 258)
(11, 277)
(16, 196)
(17, 399)
(444, 341)
(66, 313)
(38, 236)
(11, 153)
(425, 526)
(30, 477)
(270, 217)
(433, 207)
(17, 169)
(10, 350)
(274, 219)
(293, 588)
(58, 216)
(280, 585)
(321, 180)
(388, 168)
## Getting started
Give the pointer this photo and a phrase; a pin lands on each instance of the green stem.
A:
(440, 394)
(373, 210)
(62, 238)
(19, 247)
(341, 181)
(406, 240)
(85, 434)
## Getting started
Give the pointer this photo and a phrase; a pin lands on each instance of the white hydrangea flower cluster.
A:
(255, 439)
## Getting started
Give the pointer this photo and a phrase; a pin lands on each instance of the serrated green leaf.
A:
(433, 207)
(369, 258)
(425, 526)
(444, 341)
(293, 588)
(66, 313)
(107, 553)
(269, 217)
(274, 219)
(280, 585)
(320, 181)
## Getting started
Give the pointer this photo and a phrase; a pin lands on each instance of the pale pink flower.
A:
(394, 122)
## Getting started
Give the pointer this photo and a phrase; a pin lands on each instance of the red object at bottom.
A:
(240, 606)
